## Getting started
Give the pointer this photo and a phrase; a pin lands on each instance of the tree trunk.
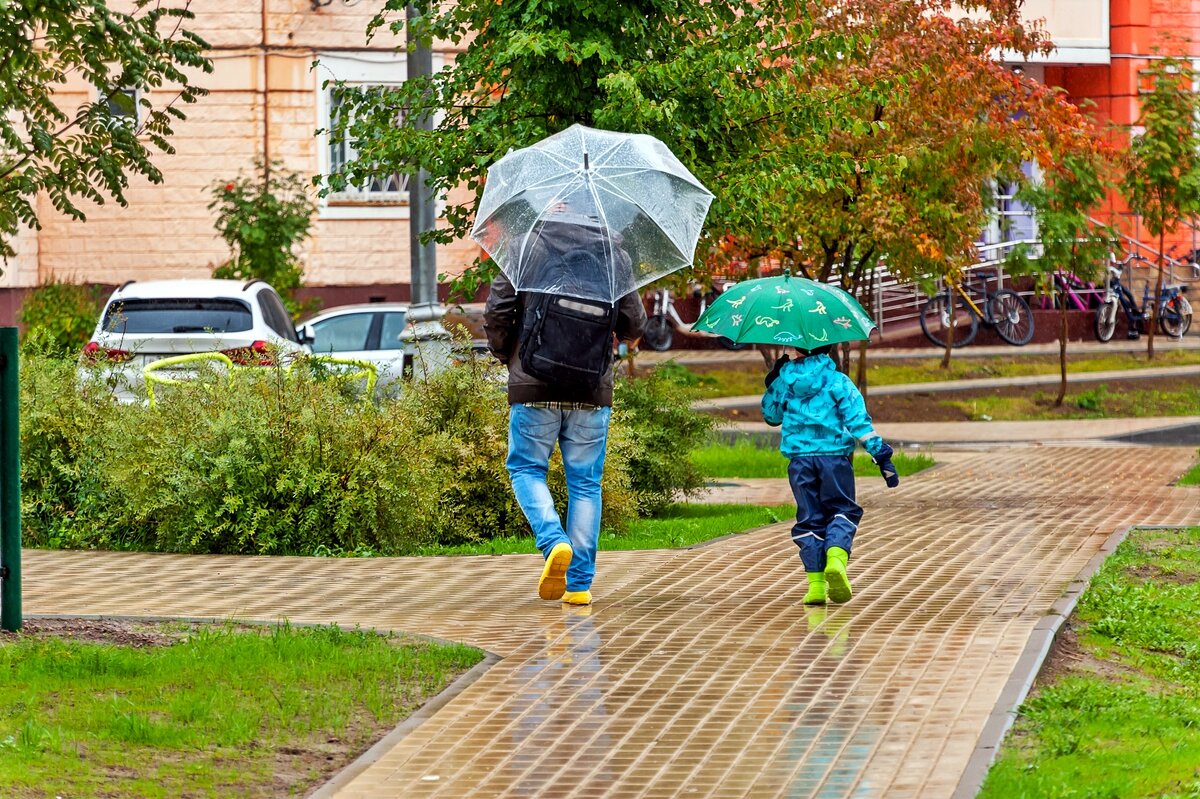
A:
(860, 378)
(1062, 353)
(1153, 302)
(949, 332)
(770, 353)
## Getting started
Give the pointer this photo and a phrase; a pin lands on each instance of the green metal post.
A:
(10, 484)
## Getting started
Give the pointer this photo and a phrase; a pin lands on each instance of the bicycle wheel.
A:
(1176, 317)
(1011, 316)
(1105, 323)
(658, 335)
(935, 322)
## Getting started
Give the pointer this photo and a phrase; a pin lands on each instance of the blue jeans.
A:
(826, 513)
(582, 437)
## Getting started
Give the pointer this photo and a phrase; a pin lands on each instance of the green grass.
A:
(889, 373)
(1123, 718)
(1099, 402)
(747, 381)
(1191, 477)
(745, 460)
(680, 525)
(209, 715)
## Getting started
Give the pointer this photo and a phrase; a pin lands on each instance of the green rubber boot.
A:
(835, 574)
(816, 589)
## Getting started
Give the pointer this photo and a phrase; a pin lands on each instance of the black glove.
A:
(775, 370)
(883, 459)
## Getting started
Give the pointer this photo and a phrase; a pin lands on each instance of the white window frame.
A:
(134, 121)
(364, 68)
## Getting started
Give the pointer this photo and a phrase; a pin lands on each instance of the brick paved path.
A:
(698, 673)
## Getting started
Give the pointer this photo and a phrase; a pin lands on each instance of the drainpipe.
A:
(425, 337)
(266, 95)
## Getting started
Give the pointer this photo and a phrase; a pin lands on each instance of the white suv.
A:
(148, 321)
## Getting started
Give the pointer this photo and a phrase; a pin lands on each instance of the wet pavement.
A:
(698, 673)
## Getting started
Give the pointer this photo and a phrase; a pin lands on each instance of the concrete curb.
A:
(389, 742)
(1028, 667)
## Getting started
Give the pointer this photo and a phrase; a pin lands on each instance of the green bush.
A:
(58, 317)
(263, 217)
(294, 464)
(654, 432)
(63, 439)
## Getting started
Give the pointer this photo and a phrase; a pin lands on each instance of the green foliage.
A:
(221, 706)
(1162, 181)
(726, 103)
(88, 152)
(654, 430)
(1072, 188)
(58, 317)
(264, 217)
(279, 463)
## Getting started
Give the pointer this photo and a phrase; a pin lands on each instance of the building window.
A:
(384, 196)
(388, 189)
(123, 106)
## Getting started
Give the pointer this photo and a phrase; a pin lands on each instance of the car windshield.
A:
(178, 316)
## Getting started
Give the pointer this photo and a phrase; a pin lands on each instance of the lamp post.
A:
(425, 334)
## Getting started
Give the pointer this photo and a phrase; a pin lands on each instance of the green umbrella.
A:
(792, 311)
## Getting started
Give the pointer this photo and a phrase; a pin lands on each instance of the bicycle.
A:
(1003, 309)
(665, 319)
(1068, 287)
(1174, 309)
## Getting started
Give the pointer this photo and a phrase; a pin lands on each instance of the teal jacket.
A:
(821, 410)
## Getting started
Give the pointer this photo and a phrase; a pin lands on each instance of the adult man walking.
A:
(553, 401)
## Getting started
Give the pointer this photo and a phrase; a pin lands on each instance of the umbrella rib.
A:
(606, 240)
(614, 189)
(599, 158)
(539, 221)
(562, 160)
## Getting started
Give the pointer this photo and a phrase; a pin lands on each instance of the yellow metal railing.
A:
(363, 370)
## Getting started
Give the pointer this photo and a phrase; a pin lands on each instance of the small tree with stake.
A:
(1073, 184)
(1162, 181)
(263, 217)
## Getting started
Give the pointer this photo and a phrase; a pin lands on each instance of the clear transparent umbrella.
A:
(590, 213)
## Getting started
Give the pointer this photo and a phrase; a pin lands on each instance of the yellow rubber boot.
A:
(836, 581)
(816, 589)
(553, 583)
(577, 597)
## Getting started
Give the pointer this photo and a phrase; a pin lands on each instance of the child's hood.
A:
(805, 378)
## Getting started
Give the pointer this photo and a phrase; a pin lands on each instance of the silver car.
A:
(369, 332)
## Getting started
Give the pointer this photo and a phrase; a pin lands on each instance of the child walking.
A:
(823, 417)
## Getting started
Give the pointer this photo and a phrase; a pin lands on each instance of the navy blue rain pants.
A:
(826, 513)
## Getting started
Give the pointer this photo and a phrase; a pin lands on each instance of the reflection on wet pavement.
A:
(699, 673)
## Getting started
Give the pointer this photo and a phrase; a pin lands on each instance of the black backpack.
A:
(566, 340)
